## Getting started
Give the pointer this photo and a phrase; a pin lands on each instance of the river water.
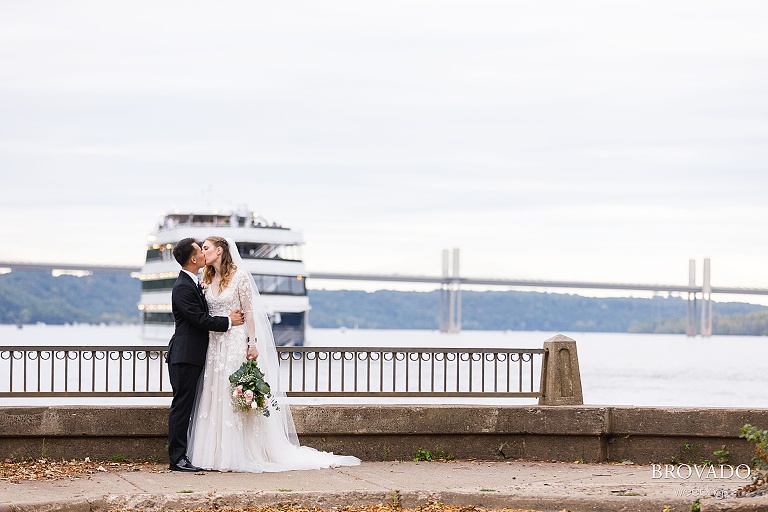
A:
(616, 368)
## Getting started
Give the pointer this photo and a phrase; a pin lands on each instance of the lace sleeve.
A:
(245, 294)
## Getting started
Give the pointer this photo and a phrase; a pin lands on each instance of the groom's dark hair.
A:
(183, 250)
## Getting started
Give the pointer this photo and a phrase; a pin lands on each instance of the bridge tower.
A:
(450, 294)
(706, 302)
(699, 319)
(691, 317)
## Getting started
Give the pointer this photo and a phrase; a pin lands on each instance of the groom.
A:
(188, 346)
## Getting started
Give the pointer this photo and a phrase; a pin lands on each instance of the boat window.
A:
(284, 284)
(254, 250)
(158, 318)
(153, 254)
(268, 284)
(291, 320)
(158, 284)
(279, 285)
(159, 253)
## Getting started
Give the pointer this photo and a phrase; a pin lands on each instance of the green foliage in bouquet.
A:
(250, 392)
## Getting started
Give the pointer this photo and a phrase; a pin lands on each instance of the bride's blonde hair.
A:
(228, 266)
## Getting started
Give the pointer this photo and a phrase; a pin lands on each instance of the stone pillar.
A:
(560, 375)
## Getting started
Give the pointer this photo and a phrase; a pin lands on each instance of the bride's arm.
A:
(246, 303)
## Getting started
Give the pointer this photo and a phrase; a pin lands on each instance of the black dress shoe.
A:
(184, 465)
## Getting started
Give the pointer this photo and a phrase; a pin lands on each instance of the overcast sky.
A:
(608, 141)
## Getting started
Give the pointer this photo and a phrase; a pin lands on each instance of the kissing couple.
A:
(220, 323)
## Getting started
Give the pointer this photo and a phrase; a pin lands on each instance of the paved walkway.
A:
(544, 486)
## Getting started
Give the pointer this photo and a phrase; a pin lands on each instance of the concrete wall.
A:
(567, 433)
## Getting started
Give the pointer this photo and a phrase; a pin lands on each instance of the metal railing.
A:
(410, 372)
(140, 371)
(96, 371)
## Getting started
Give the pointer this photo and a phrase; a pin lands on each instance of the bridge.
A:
(699, 319)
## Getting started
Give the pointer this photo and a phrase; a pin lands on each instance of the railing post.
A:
(560, 375)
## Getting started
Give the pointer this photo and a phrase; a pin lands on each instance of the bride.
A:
(222, 438)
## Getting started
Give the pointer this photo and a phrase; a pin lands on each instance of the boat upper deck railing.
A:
(176, 220)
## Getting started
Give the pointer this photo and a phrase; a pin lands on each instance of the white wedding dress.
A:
(222, 438)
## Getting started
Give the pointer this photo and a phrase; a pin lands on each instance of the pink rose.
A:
(249, 394)
(239, 390)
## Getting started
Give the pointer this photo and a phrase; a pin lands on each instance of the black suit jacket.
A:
(189, 342)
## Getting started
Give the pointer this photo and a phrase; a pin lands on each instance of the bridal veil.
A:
(261, 330)
(228, 440)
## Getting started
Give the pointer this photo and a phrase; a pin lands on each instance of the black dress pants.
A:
(184, 378)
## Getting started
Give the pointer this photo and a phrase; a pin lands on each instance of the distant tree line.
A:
(30, 297)
(533, 311)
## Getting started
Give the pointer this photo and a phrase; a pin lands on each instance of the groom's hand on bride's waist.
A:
(237, 317)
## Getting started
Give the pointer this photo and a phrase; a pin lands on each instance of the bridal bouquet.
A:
(250, 392)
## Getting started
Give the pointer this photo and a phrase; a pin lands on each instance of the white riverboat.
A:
(270, 252)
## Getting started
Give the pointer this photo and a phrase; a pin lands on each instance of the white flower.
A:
(254, 405)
